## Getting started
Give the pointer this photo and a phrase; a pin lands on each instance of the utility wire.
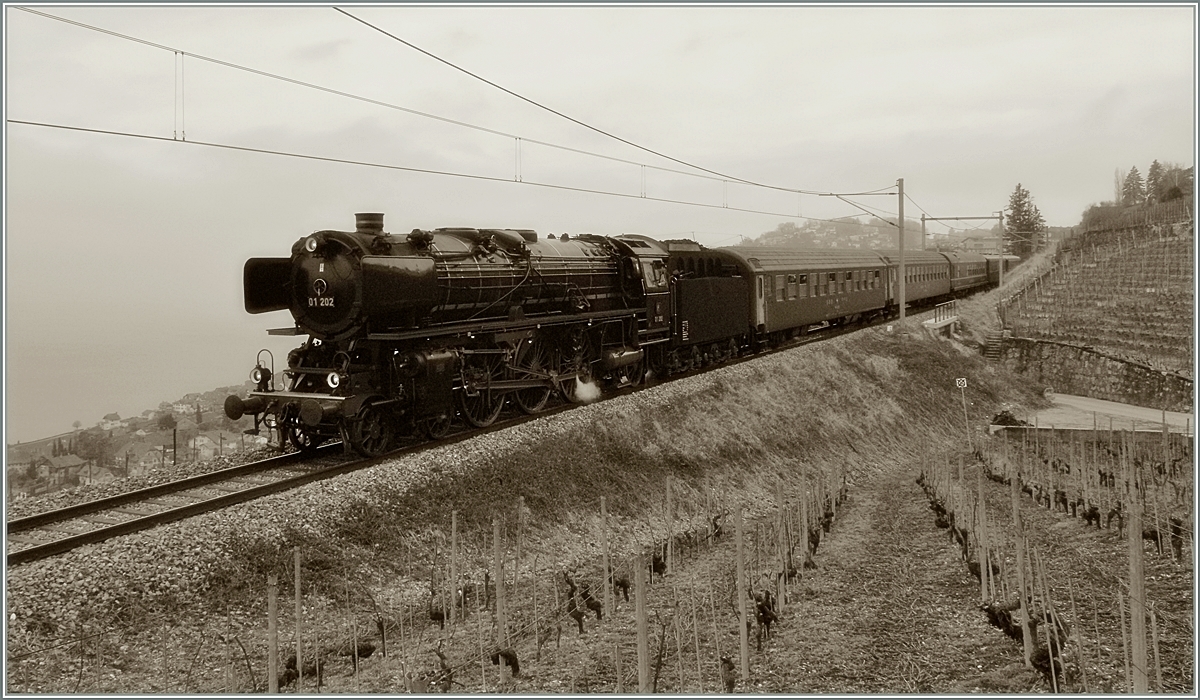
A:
(569, 118)
(714, 177)
(388, 166)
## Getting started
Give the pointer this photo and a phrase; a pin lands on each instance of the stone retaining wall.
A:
(1082, 371)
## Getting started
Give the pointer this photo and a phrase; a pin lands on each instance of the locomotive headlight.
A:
(333, 379)
(310, 244)
(256, 375)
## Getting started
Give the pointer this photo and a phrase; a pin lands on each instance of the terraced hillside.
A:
(1126, 292)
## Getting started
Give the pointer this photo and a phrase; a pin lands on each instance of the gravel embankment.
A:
(82, 494)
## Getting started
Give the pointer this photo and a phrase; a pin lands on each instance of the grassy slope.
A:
(732, 433)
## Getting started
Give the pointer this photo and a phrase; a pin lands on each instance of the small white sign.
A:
(961, 382)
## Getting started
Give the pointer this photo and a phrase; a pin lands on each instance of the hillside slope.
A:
(872, 406)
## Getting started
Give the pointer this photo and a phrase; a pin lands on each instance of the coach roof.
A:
(771, 259)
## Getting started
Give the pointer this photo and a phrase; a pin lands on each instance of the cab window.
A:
(656, 274)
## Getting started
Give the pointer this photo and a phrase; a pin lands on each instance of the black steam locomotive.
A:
(406, 333)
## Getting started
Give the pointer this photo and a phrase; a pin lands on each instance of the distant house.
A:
(981, 244)
(55, 470)
(95, 475)
(144, 455)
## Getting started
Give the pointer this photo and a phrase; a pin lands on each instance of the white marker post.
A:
(961, 383)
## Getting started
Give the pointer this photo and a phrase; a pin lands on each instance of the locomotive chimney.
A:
(369, 223)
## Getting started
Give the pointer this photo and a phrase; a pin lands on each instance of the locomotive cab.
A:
(645, 268)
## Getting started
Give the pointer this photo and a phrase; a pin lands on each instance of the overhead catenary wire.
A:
(598, 130)
(180, 53)
(925, 211)
(388, 166)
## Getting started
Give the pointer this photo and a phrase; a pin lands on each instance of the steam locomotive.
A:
(408, 333)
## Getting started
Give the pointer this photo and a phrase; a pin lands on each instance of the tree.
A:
(95, 445)
(1154, 182)
(1134, 190)
(1024, 225)
(77, 425)
(199, 415)
(1177, 182)
(166, 421)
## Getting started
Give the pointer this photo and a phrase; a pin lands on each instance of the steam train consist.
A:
(408, 333)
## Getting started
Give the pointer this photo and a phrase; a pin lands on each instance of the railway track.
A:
(61, 530)
(54, 532)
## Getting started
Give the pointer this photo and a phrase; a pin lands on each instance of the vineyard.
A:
(809, 522)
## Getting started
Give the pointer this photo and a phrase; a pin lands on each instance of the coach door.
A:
(761, 302)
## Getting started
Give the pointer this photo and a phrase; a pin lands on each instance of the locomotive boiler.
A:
(406, 331)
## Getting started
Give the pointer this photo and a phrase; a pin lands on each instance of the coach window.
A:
(802, 281)
(791, 286)
(778, 287)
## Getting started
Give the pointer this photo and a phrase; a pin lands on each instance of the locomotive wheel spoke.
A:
(483, 408)
(532, 355)
(371, 431)
(578, 361)
(436, 428)
(631, 375)
(303, 440)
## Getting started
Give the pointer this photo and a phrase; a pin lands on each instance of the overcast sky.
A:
(124, 256)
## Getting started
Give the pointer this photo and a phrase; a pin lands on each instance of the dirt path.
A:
(892, 608)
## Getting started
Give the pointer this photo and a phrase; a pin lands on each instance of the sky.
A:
(123, 255)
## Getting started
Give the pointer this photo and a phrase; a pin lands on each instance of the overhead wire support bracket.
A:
(517, 172)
